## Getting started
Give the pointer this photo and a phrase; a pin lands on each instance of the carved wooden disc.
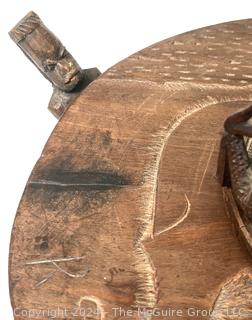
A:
(123, 208)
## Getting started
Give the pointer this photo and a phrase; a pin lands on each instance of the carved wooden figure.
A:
(53, 61)
(234, 170)
(123, 215)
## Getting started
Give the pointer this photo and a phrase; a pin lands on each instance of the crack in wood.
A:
(207, 165)
(87, 186)
(82, 180)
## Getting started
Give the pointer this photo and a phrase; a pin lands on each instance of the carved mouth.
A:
(72, 77)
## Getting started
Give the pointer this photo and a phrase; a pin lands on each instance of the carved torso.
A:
(240, 172)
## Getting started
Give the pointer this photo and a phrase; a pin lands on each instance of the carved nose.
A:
(65, 68)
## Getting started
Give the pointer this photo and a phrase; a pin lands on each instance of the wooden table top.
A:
(123, 209)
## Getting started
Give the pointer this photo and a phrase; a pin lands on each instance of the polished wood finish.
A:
(123, 208)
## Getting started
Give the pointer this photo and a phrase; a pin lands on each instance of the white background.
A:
(97, 33)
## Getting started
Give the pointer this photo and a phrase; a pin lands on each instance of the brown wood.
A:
(123, 208)
(52, 59)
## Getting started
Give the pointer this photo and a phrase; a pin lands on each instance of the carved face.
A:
(52, 59)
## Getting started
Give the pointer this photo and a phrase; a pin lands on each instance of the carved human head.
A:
(46, 52)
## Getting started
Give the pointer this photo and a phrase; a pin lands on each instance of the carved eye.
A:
(50, 65)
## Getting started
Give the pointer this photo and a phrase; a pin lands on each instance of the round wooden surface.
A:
(123, 209)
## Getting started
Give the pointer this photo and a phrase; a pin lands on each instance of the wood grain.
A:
(123, 208)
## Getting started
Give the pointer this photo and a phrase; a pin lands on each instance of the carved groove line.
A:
(147, 289)
(25, 27)
(210, 101)
(180, 219)
(100, 309)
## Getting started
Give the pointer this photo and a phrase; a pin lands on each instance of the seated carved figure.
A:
(234, 163)
(235, 174)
